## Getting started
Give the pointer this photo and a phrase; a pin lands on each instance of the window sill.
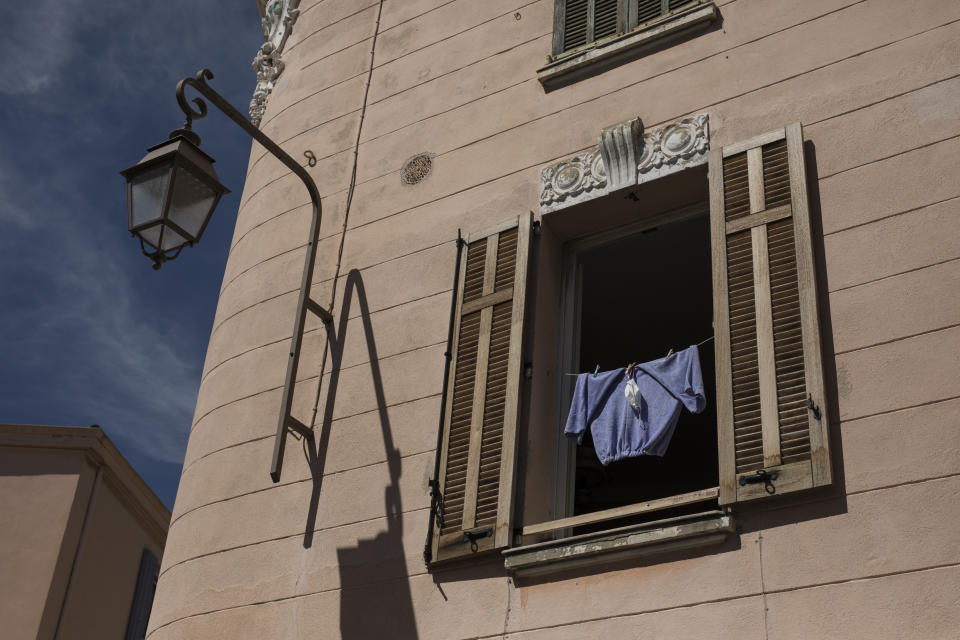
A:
(572, 67)
(683, 532)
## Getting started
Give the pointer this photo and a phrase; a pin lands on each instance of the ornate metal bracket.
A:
(286, 422)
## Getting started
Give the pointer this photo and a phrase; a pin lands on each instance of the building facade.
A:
(80, 538)
(516, 193)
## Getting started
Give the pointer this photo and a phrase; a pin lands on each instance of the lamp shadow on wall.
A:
(375, 598)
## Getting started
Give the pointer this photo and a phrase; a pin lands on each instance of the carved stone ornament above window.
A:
(634, 157)
(277, 18)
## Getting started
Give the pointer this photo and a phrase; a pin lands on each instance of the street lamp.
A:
(171, 194)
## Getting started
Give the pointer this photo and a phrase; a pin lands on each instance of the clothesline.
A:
(699, 344)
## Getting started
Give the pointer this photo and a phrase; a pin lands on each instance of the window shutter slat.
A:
(769, 362)
(605, 18)
(482, 406)
(648, 10)
(575, 24)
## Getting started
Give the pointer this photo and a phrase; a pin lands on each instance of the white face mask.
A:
(632, 393)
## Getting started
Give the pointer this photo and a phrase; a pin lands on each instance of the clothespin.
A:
(629, 372)
(596, 369)
(669, 353)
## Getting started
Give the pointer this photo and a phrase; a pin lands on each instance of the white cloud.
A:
(76, 332)
(76, 320)
(37, 45)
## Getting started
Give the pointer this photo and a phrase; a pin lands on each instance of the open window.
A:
(636, 294)
(720, 260)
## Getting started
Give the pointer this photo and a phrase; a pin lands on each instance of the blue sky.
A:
(89, 333)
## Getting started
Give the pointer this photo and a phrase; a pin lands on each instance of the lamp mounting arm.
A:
(199, 83)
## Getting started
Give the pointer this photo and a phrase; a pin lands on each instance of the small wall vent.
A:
(417, 168)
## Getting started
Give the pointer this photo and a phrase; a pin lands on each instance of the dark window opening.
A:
(641, 296)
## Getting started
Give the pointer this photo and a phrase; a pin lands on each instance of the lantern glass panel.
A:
(148, 189)
(191, 202)
(151, 235)
(171, 239)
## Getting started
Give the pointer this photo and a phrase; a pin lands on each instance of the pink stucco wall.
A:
(874, 83)
(75, 520)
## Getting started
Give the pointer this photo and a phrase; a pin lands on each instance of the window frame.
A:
(568, 357)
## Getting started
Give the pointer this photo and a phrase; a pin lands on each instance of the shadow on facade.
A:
(375, 599)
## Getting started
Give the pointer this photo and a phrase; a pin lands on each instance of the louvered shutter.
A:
(771, 416)
(478, 458)
(142, 597)
(604, 18)
(648, 10)
(580, 22)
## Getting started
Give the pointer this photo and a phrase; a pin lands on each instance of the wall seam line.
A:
(264, 437)
(285, 537)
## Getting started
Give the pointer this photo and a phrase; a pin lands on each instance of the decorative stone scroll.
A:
(277, 18)
(635, 156)
(618, 148)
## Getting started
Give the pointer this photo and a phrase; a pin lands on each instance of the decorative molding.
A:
(277, 18)
(618, 148)
(562, 183)
(638, 157)
(680, 143)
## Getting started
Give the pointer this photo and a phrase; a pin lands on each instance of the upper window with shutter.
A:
(479, 446)
(588, 31)
(584, 22)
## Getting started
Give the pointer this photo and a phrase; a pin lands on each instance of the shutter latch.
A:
(764, 476)
(473, 536)
(813, 407)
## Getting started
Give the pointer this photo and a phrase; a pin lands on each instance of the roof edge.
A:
(100, 451)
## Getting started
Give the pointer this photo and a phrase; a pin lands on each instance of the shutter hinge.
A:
(536, 227)
(764, 476)
(436, 502)
(473, 536)
(813, 407)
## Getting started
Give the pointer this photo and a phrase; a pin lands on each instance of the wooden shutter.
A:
(605, 18)
(482, 405)
(771, 415)
(673, 5)
(580, 22)
(648, 10)
(142, 597)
